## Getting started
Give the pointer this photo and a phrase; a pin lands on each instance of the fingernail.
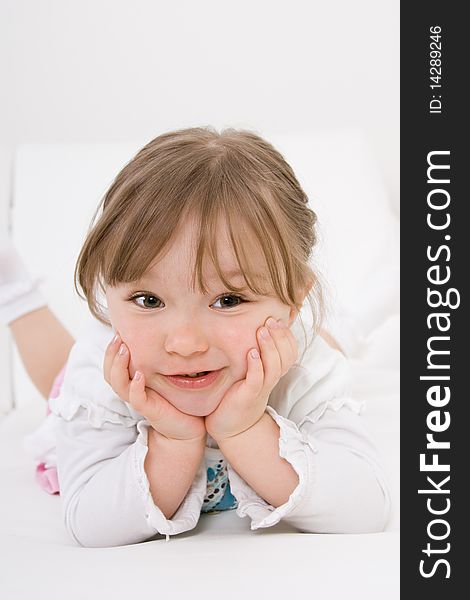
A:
(115, 338)
(272, 323)
(254, 354)
(138, 376)
(122, 350)
(264, 333)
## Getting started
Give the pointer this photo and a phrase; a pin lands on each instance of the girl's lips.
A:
(193, 383)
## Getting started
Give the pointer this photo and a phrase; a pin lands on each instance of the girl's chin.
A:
(196, 407)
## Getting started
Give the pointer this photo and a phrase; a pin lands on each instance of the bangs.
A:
(215, 201)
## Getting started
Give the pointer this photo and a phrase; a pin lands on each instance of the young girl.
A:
(197, 386)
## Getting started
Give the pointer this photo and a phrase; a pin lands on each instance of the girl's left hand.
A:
(245, 402)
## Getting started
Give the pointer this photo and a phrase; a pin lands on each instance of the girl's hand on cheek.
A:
(245, 402)
(163, 416)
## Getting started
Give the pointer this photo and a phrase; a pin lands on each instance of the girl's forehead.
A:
(181, 253)
(164, 272)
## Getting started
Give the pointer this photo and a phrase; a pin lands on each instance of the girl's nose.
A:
(186, 341)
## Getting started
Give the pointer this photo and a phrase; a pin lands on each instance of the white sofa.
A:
(55, 189)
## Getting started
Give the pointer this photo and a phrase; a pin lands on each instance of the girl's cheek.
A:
(237, 342)
(139, 359)
(239, 337)
(136, 343)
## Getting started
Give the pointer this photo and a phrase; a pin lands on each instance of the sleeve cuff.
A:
(298, 450)
(187, 516)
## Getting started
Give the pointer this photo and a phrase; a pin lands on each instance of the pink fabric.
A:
(47, 477)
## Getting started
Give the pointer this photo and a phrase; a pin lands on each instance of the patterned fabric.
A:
(218, 496)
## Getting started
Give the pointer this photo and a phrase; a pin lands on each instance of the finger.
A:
(284, 342)
(120, 373)
(270, 356)
(109, 355)
(254, 379)
(137, 394)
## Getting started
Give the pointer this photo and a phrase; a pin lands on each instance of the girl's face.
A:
(171, 330)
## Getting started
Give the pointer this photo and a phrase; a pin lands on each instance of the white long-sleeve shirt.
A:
(99, 442)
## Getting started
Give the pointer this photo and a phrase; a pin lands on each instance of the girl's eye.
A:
(230, 298)
(149, 301)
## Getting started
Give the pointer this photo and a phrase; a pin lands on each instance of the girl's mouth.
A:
(195, 381)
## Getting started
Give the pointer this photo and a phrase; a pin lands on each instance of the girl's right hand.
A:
(163, 416)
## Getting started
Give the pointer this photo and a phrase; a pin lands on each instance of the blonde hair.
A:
(206, 175)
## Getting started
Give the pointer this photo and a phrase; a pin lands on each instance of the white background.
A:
(113, 70)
